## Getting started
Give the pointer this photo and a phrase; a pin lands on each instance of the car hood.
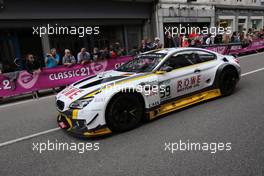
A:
(88, 85)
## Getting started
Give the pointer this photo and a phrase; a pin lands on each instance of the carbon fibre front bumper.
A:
(79, 128)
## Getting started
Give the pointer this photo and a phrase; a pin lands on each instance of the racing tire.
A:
(228, 81)
(124, 112)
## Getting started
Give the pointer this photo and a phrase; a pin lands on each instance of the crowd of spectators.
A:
(147, 44)
(244, 37)
(53, 58)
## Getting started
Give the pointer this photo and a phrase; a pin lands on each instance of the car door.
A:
(177, 82)
(205, 64)
(192, 71)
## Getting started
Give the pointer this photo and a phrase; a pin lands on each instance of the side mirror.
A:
(164, 70)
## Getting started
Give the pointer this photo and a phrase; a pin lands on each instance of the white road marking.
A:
(251, 72)
(56, 129)
(28, 137)
(26, 101)
(251, 55)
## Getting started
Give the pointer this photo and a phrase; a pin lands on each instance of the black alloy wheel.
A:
(228, 81)
(124, 112)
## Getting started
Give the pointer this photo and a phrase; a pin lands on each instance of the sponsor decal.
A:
(165, 90)
(188, 83)
(155, 103)
(27, 80)
(71, 92)
(98, 67)
(84, 71)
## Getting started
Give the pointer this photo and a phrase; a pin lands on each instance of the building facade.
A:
(123, 21)
(120, 21)
(237, 14)
(172, 13)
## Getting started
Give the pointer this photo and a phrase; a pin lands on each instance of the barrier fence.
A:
(237, 49)
(25, 82)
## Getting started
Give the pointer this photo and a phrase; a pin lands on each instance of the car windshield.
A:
(141, 63)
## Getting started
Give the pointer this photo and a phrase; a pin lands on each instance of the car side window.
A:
(178, 60)
(203, 56)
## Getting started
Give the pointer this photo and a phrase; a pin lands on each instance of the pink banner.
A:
(258, 43)
(54, 77)
(218, 49)
(253, 47)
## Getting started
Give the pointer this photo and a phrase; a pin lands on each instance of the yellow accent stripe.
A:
(179, 104)
(98, 132)
(75, 113)
(69, 121)
(121, 82)
(92, 93)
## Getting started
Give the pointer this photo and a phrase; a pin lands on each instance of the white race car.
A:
(152, 84)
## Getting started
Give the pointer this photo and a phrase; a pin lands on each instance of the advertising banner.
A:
(23, 82)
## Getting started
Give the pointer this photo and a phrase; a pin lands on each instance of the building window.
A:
(256, 24)
(226, 23)
(241, 20)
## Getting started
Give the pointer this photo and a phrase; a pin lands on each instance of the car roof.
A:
(167, 51)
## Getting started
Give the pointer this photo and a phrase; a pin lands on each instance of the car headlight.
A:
(81, 103)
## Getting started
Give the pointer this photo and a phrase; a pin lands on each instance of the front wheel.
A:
(124, 112)
(228, 81)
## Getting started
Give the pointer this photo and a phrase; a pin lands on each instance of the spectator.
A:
(118, 49)
(176, 40)
(96, 54)
(235, 38)
(169, 43)
(157, 43)
(249, 38)
(112, 53)
(52, 59)
(241, 36)
(208, 40)
(83, 56)
(68, 59)
(193, 35)
(226, 38)
(218, 39)
(142, 47)
(32, 65)
(185, 41)
(245, 42)
(145, 45)
(20, 64)
(105, 54)
(250, 31)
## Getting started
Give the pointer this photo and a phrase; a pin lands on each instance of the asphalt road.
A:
(237, 119)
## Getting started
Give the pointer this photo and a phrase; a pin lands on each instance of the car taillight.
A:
(236, 60)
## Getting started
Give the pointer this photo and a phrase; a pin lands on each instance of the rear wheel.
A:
(228, 81)
(124, 112)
